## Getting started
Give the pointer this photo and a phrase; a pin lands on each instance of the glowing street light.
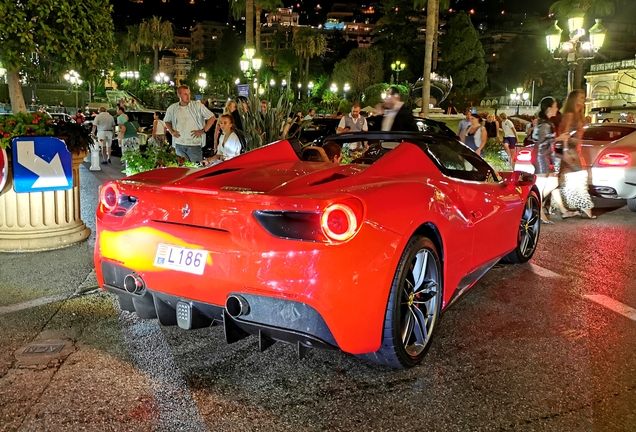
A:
(310, 87)
(162, 78)
(334, 88)
(346, 89)
(397, 67)
(74, 79)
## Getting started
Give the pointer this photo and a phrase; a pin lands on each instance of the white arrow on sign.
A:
(50, 174)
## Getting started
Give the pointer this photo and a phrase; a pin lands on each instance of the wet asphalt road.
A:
(526, 349)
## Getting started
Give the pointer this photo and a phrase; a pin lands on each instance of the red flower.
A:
(7, 135)
(11, 122)
(34, 122)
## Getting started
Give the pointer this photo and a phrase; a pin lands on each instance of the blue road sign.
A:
(244, 90)
(41, 164)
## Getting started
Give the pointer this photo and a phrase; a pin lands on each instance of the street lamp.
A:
(397, 67)
(201, 82)
(575, 49)
(250, 64)
(162, 78)
(334, 88)
(283, 83)
(310, 87)
(300, 86)
(346, 89)
(129, 75)
(74, 79)
(517, 97)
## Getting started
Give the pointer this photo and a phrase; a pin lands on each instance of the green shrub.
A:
(153, 157)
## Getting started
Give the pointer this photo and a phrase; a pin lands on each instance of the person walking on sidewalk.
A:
(510, 137)
(104, 124)
(188, 121)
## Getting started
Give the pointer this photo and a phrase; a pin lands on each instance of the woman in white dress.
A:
(229, 143)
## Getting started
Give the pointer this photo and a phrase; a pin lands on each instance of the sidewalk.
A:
(64, 360)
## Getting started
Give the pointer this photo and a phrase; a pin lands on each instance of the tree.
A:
(133, 42)
(156, 34)
(245, 7)
(463, 57)
(361, 68)
(430, 53)
(263, 5)
(308, 43)
(44, 28)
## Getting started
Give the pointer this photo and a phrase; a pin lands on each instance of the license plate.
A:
(181, 259)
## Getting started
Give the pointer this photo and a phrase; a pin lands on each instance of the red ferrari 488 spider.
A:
(360, 257)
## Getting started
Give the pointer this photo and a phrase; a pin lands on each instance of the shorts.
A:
(193, 153)
(511, 141)
(105, 138)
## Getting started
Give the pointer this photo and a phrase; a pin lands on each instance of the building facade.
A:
(611, 90)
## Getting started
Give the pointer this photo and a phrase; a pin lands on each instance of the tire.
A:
(413, 308)
(631, 204)
(528, 233)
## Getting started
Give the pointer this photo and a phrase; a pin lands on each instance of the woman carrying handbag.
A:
(572, 176)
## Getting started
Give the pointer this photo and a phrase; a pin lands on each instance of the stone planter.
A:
(39, 221)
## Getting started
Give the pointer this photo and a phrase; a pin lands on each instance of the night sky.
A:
(184, 14)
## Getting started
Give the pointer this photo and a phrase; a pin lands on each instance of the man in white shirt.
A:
(465, 122)
(510, 137)
(310, 115)
(188, 121)
(353, 122)
(104, 124)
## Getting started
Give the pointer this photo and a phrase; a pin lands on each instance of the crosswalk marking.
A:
(538, 270)
(613, 305)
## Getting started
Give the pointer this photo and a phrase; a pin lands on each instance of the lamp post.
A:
(74, 79)
(162, 78)
(397, 67)
(272, 84)
(334, 88)
(518, 97)
(249, 64)
(575, 49)
(300, 87)
(201, 82)
(346, 88)
(310, 87)
(129, 75)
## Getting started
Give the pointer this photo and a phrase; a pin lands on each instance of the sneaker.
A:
(109, 161)
(105, 163)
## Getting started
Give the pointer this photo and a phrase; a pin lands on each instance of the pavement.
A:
(64, 359)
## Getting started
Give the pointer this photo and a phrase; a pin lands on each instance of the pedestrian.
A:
(231, 108)
(395, 116)
(572, 177)
(104, 125)
(188, 122)
(128, 138)
(79, 117)
(121, 116)
(158, 130)
(475, 136)
(530, 130)
(62, 108)
(465, 122)
(543, 135)
(510, 137)
(629, 118)
(229, 143)
(310, 115)
(492, 127)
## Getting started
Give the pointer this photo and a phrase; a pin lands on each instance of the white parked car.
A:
(609, 155)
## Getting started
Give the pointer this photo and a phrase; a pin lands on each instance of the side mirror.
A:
(520, 178)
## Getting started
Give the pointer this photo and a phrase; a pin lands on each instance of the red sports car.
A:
(360, 257)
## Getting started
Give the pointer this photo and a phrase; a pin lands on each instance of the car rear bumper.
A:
(270, 319)
(614, 182)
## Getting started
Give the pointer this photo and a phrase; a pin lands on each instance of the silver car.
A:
(609, 155)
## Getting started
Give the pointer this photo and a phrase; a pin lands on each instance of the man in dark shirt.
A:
(395, 115)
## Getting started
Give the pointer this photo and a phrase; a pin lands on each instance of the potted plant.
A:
(24, 124)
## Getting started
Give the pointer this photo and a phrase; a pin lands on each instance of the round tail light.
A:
(338, 222)
(109, 197)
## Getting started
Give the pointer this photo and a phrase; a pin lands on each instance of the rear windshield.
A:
(606, 133)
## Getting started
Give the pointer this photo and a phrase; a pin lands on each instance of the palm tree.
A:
(245, 7)
(308, 43)
(134, 46)
(156, 34)
(432, 24)
(263, 5)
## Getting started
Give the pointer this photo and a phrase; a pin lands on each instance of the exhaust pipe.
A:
(133, 283)
(236, 306)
